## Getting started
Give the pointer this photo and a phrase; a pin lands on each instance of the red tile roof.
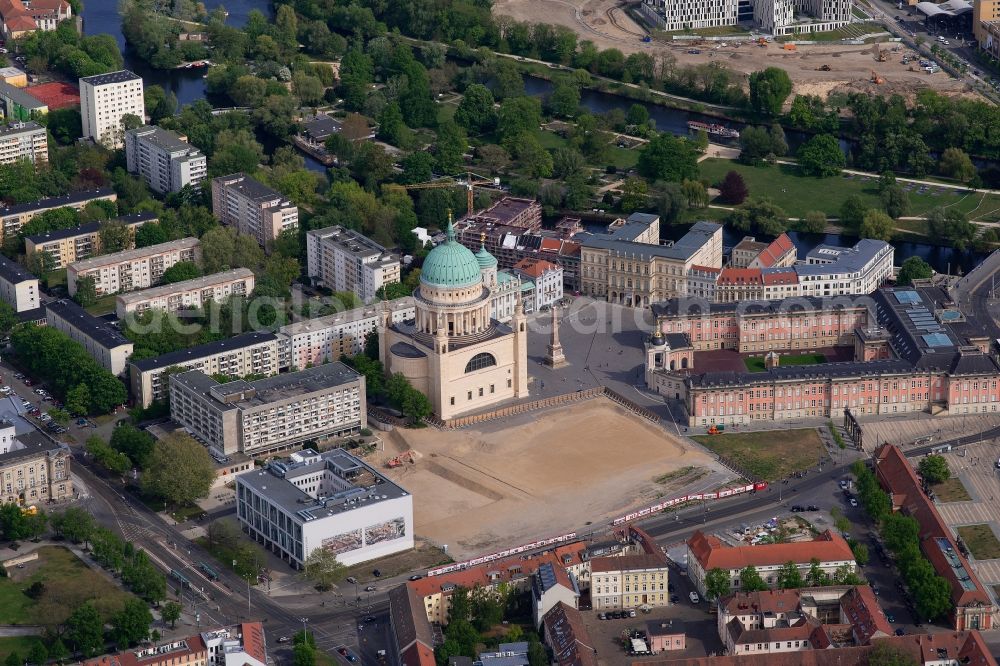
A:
(780, 277)
(418, 654)
(711, 553)
(194, 646)
(567, 635)
(916, 646)
(778, 248)
(504, 570)
(862, 610)
(768, 601)
(739, 276)
(547, 245)
(569, 249)
(253, 640)
(535, 267)
(899, 479)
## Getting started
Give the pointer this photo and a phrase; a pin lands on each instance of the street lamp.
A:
(305, 634)
(249, 613)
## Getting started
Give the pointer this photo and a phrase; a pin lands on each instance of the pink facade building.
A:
(914, 352)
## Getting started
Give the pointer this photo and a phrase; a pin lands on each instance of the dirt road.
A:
(605, 23)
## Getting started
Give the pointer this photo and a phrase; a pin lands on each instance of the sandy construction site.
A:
(540, 474)
(608, 25)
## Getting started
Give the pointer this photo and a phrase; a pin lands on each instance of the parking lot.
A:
(694, 620)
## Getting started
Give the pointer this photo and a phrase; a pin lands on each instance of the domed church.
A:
(453, 351)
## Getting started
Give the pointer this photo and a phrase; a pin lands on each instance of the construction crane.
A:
(469, 182)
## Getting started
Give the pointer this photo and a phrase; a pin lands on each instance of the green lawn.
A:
(623, 158)
(798, 194)
(56, 278)
(720, 31)
(769, 455)
(20, 644)
(852, 31)
(68, 583)
(951, 490)
(980, 541)
(104, 305)
(756, 363)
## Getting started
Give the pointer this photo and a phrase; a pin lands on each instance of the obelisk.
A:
(555, 357)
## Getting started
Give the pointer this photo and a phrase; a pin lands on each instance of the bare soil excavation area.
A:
(540, 474)
(608, 25)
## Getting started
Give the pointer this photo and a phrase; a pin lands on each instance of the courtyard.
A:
(541, 474)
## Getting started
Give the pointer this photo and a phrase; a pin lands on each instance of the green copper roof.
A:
(451, 264)
(485, 259)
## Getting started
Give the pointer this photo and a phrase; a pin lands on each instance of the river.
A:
(101, 16)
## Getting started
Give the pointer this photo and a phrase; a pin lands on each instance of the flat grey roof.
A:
(272, 389)
(112, 77)
(352, 242)
(182, 356)
(186, 285)
(249, 187)
(13, 272)
(19, 97)
(98, 330)
(58, 202)
(355, 314)
(34, 444)
(696, 238)
(90, 228)
(131, 255)
(20, 128)
(273, 483)
(848, 260)
(165, 139)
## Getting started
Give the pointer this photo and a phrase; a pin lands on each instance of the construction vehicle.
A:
(761, 41)
(877, 52)
(823, 68)
(716, 429)
(790, 47)
(470, 181)
(404, 457)
(876, 79)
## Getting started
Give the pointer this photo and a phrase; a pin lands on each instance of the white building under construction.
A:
(775, 17)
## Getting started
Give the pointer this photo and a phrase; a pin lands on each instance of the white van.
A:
(694, 598)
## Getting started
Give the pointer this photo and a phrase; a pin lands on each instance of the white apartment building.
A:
(323, 339)
(100, 338)
(18, 287)
(344, 260)
(187, 294)
(241, 355)
(105, 100)
(64, 246)
(691, 14)
(132, 269)
(164, 159)
(252, 208)
(548, 279)
(332, 501)
(24, 141)
(776, 17)
(238, 645)
(272, 414)
(12, 218)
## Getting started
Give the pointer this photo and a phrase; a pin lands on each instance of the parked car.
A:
(694, 598)
(674, 599)
(890, 618)
(416, 577)
(900, 632)
(812, 507)
(796, 508)
(602, 616)
(370, 588)
(284, 639)
(352, 580)
(853, 502)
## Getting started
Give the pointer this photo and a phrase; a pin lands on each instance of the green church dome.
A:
(451, 264)
(485, 259)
